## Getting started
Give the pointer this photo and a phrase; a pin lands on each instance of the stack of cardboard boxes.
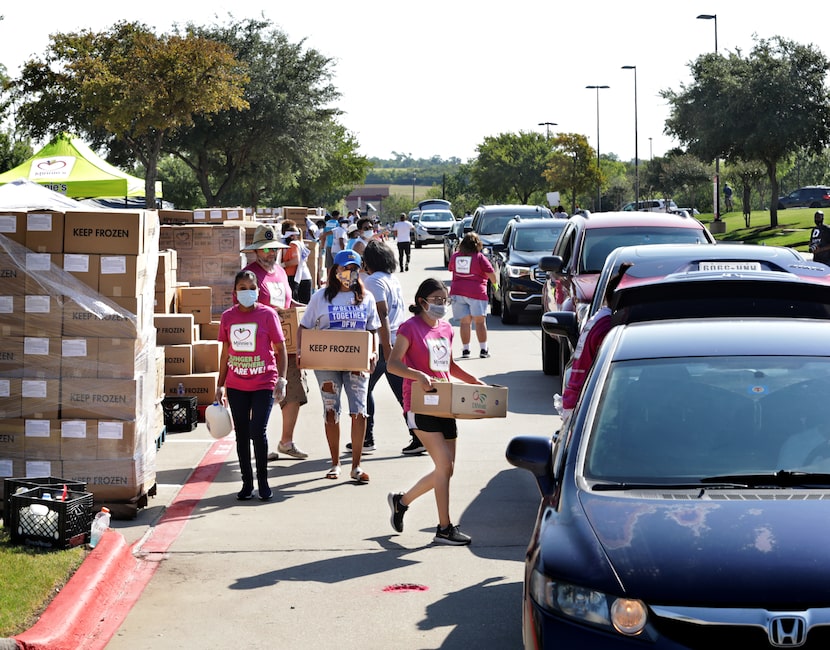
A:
(80, 374)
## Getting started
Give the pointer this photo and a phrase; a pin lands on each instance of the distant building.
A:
(367, 197)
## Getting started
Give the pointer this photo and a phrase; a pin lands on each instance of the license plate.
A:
(729, 266)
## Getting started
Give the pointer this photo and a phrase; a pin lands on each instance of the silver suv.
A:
(435, 219)
(652, 205)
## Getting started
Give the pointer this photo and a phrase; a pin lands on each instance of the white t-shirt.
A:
(386, 288)
(341, 313)
(403, 230)
(337, 233)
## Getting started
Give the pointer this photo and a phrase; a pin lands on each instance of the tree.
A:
(129, 86)
(510, 166)
(572, 166)
(288, 130)
(764, 107)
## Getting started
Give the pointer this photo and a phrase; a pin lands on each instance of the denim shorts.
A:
(462, 306)
(356, 385)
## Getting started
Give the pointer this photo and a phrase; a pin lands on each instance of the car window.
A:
(760, 416)
(599, 242)
(494, 224)
(435, 216)
(535, 239)
(565, 244)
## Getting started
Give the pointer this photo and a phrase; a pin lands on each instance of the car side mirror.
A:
(535, 454)
(561, 324)
(551, 263)
(499, 247)
(451, 236)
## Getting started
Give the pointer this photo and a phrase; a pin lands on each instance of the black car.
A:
(814, 196)
(454, 236)
(686, 501)
(515, 259)
(489, 221)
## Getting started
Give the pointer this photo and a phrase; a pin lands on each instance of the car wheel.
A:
(815, 204)
(781, 206)
(508, 316)
(550, 354)
(418, 244)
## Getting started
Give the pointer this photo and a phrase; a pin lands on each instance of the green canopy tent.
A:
(67, 165)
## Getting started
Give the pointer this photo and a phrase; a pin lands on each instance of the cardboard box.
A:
(40, 398)
(100, 320)
(79, 357)
(41, 439)
(209, 331)
(79, 439)
(461, 401)
(13, 226)
(336, 349)
(11, 439)
(42, 315)
(42, 357)
(12, 317)
(120, 479)
(164, 302)
(166, 270)
(122, 275)
(201, 385)
(12, 277)
(196, 301)
(206, 355)
(117, 439)
(93, 399)
(175, 216)
(42, 271)
(125, 232)
(178, 359)
(11, 357)
(172, 329)
(44, 231)
(84, 266)
(10, 399)
(290, 321)
(119, 358)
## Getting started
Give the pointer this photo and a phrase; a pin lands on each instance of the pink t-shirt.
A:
(430, 351)
(250, 336)
(274, 289)
(469, 275)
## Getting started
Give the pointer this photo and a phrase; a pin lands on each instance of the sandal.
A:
(334, 472)
(359, 475)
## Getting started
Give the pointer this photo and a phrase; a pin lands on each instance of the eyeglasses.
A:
(439, 300)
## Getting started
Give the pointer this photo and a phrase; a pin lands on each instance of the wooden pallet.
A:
(127, 509)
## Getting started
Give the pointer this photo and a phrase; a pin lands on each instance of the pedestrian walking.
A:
(327, 237)
(471, 271)
(820, 239)
(343, 304)
(275, 292)
(423, 353)
(251, 376)
(727, 197)
(747, 204)
(294, 261)
(403, 236)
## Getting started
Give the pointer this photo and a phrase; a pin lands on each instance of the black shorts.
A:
(429, 423)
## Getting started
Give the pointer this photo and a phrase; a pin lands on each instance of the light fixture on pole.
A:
(636, 153)
(547, 126)
(599, 180)
(714, 17)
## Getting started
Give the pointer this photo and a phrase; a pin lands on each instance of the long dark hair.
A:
(333, 286)
(378, 257)
(428, 286)
(249, 275)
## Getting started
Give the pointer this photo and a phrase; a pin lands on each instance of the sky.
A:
(435, 78)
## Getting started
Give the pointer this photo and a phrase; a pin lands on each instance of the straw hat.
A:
(265, 236)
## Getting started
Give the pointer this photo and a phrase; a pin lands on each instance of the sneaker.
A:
(368, 446)
(245, 494)
(414, 448)
(291, 450)
(451, 535)
(359, 475)
(407, 267)
(266, 495)
(273, 456)
(465, 354)
(484, 354)
(398, 510)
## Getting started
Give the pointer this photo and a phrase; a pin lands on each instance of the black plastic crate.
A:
(11, 485)
(50, 522)
(180, 413)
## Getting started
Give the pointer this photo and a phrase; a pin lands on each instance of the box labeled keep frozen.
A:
(458, 400)
(336, 349)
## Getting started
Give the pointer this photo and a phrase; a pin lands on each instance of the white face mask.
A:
(247, 297)
(367, 234)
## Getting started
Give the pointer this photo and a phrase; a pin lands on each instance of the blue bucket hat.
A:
(344, 258)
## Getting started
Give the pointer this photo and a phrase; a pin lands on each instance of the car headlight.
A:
(517, 271)
(627, 616)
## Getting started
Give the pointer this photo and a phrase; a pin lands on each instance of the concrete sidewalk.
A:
(320, 563)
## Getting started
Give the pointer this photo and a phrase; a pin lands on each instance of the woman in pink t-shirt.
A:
(251, 376)
(423, 353)
(470, 272)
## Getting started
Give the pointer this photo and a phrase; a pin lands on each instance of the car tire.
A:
(508, 316)
(550, 354)
(781, 206)
(418, 244)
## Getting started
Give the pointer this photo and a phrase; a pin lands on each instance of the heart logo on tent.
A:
(51, 165)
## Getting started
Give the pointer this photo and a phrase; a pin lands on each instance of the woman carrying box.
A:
(251, 376)
(343, 304)
(423, 354)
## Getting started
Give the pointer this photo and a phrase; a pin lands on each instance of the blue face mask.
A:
(247, 297)
(437, 311)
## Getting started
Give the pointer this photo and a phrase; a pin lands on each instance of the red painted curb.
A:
(94, 603)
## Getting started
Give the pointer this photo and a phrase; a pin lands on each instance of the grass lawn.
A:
(793, 228)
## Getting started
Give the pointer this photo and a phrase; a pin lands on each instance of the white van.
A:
(651, 205)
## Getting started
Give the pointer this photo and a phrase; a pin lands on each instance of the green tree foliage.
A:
(509, 167)
(13, 152)
(571, 167)
(129, 85)
(764, 107)
(282, 143)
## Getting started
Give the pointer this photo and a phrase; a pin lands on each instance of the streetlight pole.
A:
(547, 126)
(599, 177)
(714, 17)
(636, 154)
(650, 150)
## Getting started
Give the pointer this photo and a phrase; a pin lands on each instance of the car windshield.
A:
(599, 242)
(427, 217)
(536, 239)
(688, 419)
(494, 224)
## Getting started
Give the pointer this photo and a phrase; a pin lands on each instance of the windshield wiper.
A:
(612, 487)
(781, 478)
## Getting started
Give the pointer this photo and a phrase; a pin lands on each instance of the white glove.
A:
(279, 389)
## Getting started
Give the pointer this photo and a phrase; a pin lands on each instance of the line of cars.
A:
(684, 502)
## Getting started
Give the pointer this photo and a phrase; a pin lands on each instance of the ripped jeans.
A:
(356, 385)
